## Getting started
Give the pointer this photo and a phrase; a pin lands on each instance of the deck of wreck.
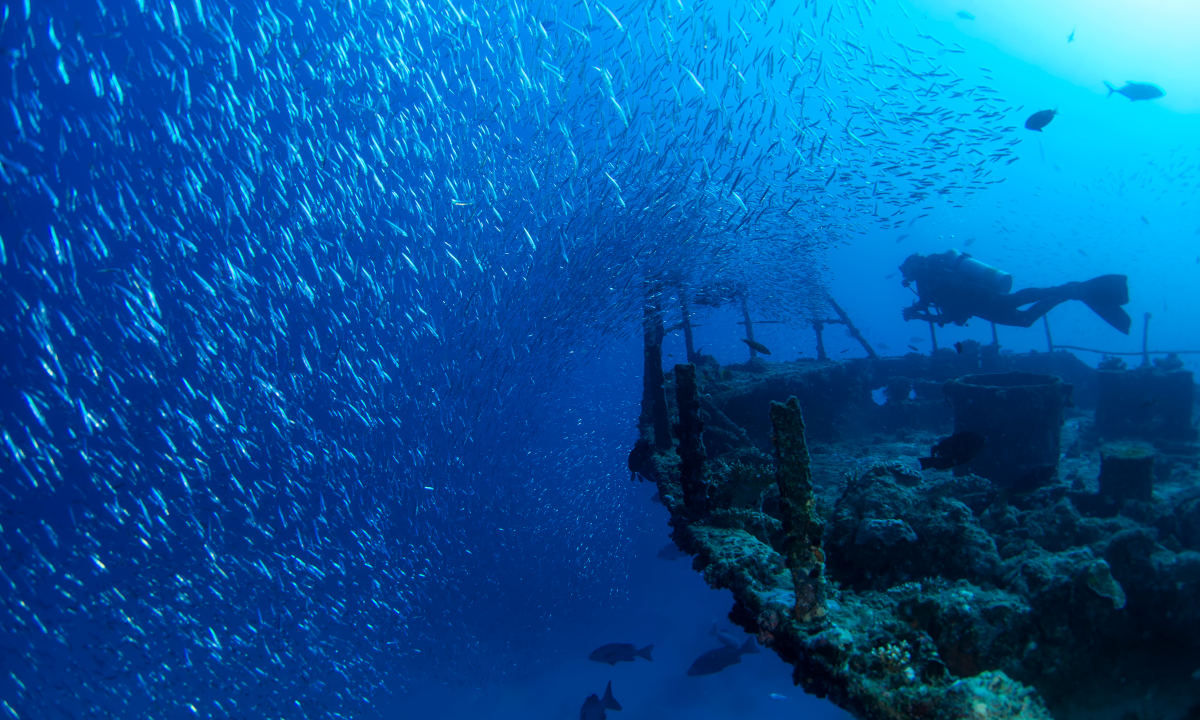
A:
(900, 593)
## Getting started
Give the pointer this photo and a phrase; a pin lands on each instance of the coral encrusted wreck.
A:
(899, 593)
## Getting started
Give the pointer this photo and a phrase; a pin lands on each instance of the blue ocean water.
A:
(320, 350)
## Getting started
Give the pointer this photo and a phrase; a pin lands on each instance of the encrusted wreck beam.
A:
(851, 327)
(654, 425)
(691, 444)
(654, 420)
(801, 526)
(685, 322)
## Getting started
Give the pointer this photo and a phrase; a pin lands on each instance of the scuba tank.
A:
(975, 273)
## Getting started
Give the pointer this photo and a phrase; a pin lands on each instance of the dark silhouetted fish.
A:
(1040, 119)
(1136, 90)
(1071, 37)
(594, 707)
(614, 653)
(756, 346)
(728, 639)
(671, 551)
(714, 661)
(953, 451)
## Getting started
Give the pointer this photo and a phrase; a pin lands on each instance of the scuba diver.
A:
(953, 287)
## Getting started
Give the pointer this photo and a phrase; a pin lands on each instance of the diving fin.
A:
(1114, 315)
(1106, 290)
(1105, 295)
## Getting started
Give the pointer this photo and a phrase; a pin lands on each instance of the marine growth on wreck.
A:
(1050, 572)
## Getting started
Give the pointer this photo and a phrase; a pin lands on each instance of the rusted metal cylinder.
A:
(1020, 417)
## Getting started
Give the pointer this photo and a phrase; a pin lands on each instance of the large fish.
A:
(714, 661)
(1136, 90)
(1040, 119)
(594, 707)
(953, 451)
(671, 551)
(614, 653)
(757, 346)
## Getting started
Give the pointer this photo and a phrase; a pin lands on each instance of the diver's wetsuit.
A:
(953, 287)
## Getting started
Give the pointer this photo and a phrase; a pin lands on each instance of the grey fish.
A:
(714, 661)
(953, 451)
(1040, 119)
(1136, 90)
(728, 639)
(614, 653)
(756, 346)
(594, 707)
(671, 551)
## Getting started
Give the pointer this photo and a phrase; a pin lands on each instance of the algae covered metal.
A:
(901, 594)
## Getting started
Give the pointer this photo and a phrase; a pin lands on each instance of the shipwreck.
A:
(1052, 574)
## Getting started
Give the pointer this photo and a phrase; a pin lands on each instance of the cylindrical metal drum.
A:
(1020, 416)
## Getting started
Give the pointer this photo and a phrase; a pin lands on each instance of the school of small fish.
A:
(278, 280)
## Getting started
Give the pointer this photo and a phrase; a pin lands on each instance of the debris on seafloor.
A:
(1061, 592)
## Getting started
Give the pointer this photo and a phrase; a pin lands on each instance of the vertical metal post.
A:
(690, 429)
(1146, 340)
(654, 418)
(688, 341)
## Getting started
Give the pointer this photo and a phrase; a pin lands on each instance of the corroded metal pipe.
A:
(691, 443)
(801, 526)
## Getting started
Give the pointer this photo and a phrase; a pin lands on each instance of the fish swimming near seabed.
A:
(1136, 90)
(671, 551)
(715, 661)
(756, 346)
(953, 451)
(727, 638)
(1040, 119)
(594, 707)
(614, 653)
